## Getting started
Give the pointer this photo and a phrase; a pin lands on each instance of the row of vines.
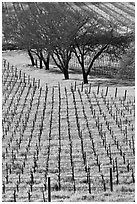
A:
(82, 139)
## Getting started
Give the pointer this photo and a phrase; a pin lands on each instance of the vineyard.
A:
(68, 101)
(81, 138)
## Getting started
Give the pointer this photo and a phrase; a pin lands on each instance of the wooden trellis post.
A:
(111, 180)
(98, 89)
(116, 93)
(89, 183)
(125, 95)
(106, 91)
(49, 190)
(81, 86)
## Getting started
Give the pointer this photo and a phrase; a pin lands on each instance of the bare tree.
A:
(61, 25)
(95, 40)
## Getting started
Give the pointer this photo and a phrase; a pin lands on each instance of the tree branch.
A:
(58, 56)
(58, 65)
(95, 57)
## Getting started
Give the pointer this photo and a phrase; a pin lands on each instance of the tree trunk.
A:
(40, 60)
(31, 58)
(47, 62)
(85, 78)
(65, 69)
(66, 74)
(62, 64)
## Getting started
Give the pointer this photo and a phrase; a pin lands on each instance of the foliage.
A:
(9, 46)
(127, 64)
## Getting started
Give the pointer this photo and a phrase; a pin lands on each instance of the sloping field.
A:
(109, 13)
(82, 137)
(105, 13)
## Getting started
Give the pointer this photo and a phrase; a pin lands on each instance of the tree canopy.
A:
(60, 30)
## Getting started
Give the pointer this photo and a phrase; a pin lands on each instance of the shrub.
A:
(127, 65)
(9, 46)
